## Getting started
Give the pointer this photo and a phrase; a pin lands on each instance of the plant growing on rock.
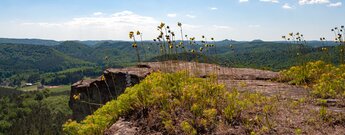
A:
(135, 45)
(339, 34)
(184, 104)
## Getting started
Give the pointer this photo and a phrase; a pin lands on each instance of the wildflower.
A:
(138, 33)
(212, 38)
(179, 24)
(201, 49)
(283, 37)
(76, 96)
(161, 25)
(131, 34)
(291, 34)
(134, 45)
(342, 26)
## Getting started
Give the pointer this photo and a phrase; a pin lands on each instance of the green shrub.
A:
(185, 104)
(326, 81)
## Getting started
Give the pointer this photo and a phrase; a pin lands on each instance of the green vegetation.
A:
(185, 104)
(33, 113)
(20, 63)
(326, 80)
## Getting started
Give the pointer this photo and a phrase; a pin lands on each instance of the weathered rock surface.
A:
(122, 127)
(96, 92)
(88, 95)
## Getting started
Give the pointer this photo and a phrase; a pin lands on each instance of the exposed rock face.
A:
(95, 93)
(88, 95)
(122, 127)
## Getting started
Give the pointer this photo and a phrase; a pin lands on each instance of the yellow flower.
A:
(131, 34)
(134, 45)
(138, 33)
(161, 25)
(102, 78)
(76, 97)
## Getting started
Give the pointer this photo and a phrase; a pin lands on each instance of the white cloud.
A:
(213, 8)
(337, 4)
(171, 15)
(273, 1)
(106, 27)
(97, 13)
(304, 2)
(115, 26)
(221, 27)
(286, 6)
(242, 1)
(190, 16)
(254, 26)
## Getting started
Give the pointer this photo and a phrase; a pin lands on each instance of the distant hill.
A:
(29, 41)
(17, 57)
(35, 60)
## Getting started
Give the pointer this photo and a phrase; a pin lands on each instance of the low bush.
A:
(326, 80)
(185, 105)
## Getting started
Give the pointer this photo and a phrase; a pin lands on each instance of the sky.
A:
(242, 20)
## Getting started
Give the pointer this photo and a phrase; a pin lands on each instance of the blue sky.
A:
(221, 19)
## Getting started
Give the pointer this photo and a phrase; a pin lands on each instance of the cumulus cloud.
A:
(254, 26)
(221, 27)
(272, 1)
(286, 6)
(213, 8)
(190, 16)
(105, 26)
(337, 4)
(97, 26)
(242, 1)
(309, 2)
(171, 15)
(97, 13)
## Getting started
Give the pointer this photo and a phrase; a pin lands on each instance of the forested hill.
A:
(41, 58)
(19, 57)
(30, 41)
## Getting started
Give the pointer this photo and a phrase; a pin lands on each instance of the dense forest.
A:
(57, 63)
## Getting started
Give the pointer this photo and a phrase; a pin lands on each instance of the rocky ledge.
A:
(88, 95)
